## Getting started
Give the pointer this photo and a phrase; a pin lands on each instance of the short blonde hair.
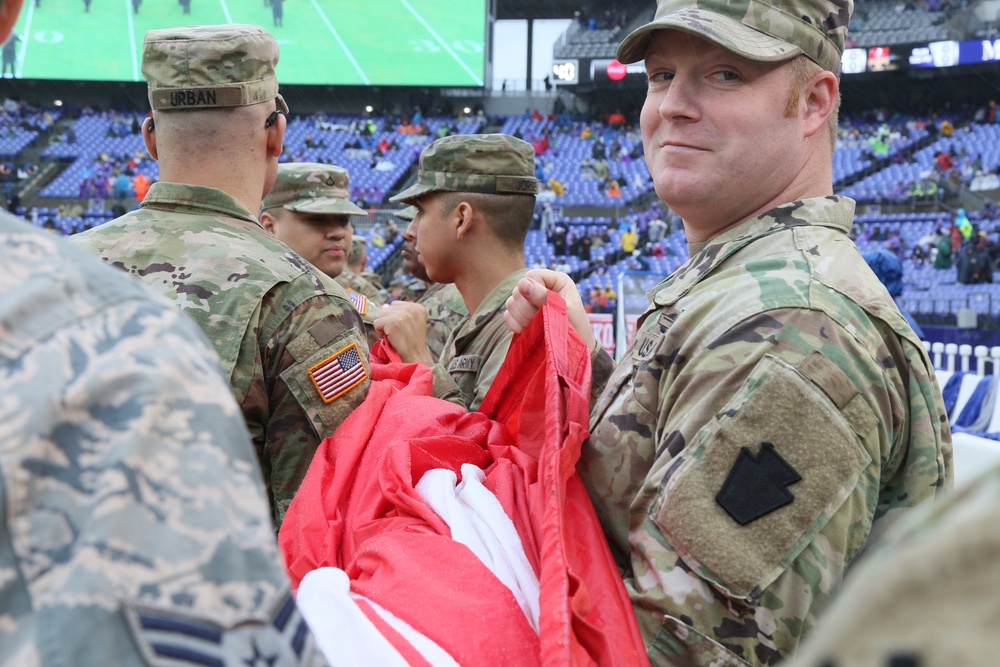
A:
(801, 72)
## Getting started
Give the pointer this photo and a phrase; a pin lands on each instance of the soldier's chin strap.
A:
(9, 11)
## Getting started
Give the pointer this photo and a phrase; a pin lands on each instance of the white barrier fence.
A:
(952, 357)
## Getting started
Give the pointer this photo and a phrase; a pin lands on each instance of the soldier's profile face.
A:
(428, 232)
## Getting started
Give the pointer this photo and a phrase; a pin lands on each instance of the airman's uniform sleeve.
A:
(924, 597)
(319, 357)
(135, 527)
(768, 450)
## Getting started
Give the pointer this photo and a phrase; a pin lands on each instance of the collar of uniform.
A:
(186, 198)
(494, 301)
(832, 211)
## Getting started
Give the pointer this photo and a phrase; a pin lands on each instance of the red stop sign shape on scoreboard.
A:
(616, 70)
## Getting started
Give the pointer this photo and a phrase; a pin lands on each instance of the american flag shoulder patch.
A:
(338, 374)
(360, 301)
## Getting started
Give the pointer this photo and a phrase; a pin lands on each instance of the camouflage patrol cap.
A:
(759, 30)
(487, 163)
(309, 187)
(210, 66)
(408, 213)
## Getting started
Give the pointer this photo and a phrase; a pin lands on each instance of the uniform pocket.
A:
(331, 382)
(767, 474)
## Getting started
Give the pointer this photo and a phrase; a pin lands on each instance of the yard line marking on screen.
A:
(225, 10)
(131, 40)
(27, 38)
(475, 77)
(343, 46)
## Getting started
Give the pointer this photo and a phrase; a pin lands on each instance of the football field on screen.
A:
(324, 42)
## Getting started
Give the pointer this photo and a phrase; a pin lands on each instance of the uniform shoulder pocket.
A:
(767, 474)
(330, 377)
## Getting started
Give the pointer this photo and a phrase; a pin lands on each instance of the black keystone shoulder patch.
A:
(756, 485)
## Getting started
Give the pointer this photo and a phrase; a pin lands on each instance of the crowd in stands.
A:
(581, 162)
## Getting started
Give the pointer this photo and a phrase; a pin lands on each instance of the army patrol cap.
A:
(487, 163)
(309, 187)
(759, 30)
(210, 66)
(408, 213)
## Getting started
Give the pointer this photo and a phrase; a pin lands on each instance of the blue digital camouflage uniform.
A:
(773, 410)
(289, 339)
(134, 520)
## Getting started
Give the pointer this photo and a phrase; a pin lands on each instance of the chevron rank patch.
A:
(360, 301)
(338, 374)
(169, 638)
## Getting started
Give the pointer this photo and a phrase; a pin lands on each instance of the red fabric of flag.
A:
(357, 508)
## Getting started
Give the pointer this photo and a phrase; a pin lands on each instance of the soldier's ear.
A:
(149, 138)
(276, 136)
(463, 216)
(267, 221)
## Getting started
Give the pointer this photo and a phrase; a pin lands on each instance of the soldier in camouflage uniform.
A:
(356, 279)
(442, 301)
(135, 527)
(309, 209)
(290, 341)
(475, 195)
(774, 409)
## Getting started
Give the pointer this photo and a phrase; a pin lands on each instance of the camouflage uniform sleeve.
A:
(602, 366)
(447, 389)
(472, 372)
(317, 359)
(919, 600)
(774, 443)
(135, 523)
(493, 349)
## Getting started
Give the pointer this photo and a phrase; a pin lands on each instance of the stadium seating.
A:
(891, 22)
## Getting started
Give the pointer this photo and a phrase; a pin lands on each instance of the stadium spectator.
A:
(548, 220)
(714, 391)
(974, 263)
(895, 244)
(475, 195)
(140, 185)
(122, 186)
(657, 229)
(629, 240)
(202, 247)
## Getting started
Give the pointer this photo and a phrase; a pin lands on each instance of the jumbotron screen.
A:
(324, 42)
